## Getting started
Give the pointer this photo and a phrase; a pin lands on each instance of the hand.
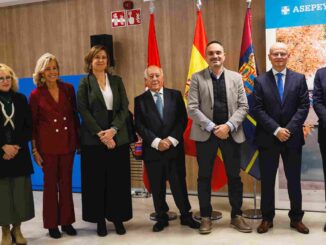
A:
(38, 159)
(283, 134)
(6, 157)
(163, 145)
(11, 150)
(222, 131)
(107, 135)
(111, 144)
(167, 140)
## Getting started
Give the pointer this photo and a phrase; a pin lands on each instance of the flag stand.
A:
(172, 215)
(216, 215)
(253, 213)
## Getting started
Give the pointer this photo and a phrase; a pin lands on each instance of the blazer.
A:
(93, 111)
(270, 112)
(201, 104)
(55, 125)
(149, 124)
(21, 164)
(319, 102)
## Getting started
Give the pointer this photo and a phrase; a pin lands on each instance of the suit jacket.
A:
(93, 111)
(149, 124)
(21, 164)
(319, 102)
(270, 112)
(201, 104)
(56, 125)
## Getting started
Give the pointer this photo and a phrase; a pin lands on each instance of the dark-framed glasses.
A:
(8, 78)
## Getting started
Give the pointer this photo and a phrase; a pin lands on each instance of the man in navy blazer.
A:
(281, 104)
(161, 119)
(319, 102)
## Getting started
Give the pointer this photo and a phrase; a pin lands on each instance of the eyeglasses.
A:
(280, 54)
(8, 78)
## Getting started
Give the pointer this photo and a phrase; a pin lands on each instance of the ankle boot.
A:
(17, 235)
(6, 236)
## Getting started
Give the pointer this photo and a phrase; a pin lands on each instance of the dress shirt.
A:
(275, 72)
(157, 140)
(107, 94)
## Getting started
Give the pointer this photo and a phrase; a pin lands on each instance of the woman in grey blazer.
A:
(105, 163)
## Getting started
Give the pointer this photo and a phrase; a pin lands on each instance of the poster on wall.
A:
(118, 19)
(301, 24)
(133, 17)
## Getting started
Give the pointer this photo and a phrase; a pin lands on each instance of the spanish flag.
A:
(198, 63)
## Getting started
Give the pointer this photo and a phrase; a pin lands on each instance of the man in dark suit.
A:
(161, 119)
(218, 105)
(281, 105)
(319, 101)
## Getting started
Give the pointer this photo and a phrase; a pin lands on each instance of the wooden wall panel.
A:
(63, 27)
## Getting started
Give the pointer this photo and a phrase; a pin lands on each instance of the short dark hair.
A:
(90, 56)
(211, 42)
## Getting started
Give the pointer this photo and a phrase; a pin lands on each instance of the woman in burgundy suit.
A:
(55, 140)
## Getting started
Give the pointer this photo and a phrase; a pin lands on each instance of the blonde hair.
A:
(7, 69)
(41, 64)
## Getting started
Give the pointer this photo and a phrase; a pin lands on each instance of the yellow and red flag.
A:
(198, 63)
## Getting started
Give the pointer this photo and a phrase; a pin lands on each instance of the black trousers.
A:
(172, 170)
(106, 185)
(322, 146)
(206, 154)
(268, 162)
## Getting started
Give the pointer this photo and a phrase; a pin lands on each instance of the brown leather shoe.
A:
(205, 225)
(240, 224)
(264, 226)
(300, 227)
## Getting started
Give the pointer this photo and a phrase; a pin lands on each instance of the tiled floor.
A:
(139, 229)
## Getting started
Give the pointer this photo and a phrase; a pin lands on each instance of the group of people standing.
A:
(217, 105)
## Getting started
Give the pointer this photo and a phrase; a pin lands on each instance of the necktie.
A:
(159, 104)
(280, 84)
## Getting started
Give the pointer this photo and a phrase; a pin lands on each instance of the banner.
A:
(301, 24)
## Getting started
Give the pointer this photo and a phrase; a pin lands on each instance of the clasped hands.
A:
(106, 137)
(283, 134)
(10, 151)
(221, 131)
(164, 144)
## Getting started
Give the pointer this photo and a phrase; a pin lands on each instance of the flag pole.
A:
(252, 213)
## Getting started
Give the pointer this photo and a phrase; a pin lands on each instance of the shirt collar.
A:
(276, 72)
(160, 92)
(214, 75)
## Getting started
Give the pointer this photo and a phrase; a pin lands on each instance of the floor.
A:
(139, 229)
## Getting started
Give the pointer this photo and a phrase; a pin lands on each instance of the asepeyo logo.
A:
(285, 10)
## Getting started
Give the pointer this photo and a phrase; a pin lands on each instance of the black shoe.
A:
(101, 228)
(69, 229)
(119, 228)
(54, 233)
(325, 227)
(159, 226)
(189, 221)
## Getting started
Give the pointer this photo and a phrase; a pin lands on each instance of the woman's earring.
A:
(43, 80)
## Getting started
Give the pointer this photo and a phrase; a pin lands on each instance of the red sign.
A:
(133, 17)
(118, 19)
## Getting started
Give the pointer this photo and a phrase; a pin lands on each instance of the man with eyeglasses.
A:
(281, 105)
(319, 99)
